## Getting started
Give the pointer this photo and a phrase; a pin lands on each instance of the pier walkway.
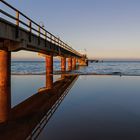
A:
(19, 32)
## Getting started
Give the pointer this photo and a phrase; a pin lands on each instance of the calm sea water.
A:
(123, 68)
(97, 107)
(101, 107)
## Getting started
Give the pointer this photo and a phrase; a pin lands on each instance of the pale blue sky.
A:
(105, 28)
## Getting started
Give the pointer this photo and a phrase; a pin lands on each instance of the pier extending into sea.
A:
(17, 34)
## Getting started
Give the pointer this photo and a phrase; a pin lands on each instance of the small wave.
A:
(116, 73)
(80, 73)
(30, 73)
(107, 68)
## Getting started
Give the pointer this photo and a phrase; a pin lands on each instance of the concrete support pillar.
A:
(70, 64)
(5, 68)
(74, 63)
(49, 64)
(5, 84)
(63, 64)
(49, 71)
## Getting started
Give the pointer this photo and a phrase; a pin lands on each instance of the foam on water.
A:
(115, 68)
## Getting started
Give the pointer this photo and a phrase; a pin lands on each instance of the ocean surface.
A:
(110, 67)
(100, 107)
(96, 107)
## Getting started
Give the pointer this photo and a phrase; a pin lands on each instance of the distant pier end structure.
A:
(19, 32)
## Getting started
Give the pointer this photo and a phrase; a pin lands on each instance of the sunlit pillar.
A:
(5, 83)
(70, 64)
(74, 63)
(63, 64)
(49, 71)
(49, 64)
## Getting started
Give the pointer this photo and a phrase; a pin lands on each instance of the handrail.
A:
(40, 30)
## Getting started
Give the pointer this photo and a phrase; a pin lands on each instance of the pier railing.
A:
(34, 27)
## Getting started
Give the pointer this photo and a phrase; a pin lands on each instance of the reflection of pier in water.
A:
(27, 119)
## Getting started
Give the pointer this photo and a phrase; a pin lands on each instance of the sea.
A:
(130, 68)
(102, 103)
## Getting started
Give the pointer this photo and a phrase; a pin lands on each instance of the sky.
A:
(104, 29)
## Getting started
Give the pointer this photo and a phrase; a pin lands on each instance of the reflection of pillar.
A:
(5, 80)
(5, 103)
(49, 64)
(63, 64)
(74, 63)
(49, 81)
(69, 64)
(63, 76)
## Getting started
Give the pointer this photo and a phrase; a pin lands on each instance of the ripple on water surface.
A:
(124, 68)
